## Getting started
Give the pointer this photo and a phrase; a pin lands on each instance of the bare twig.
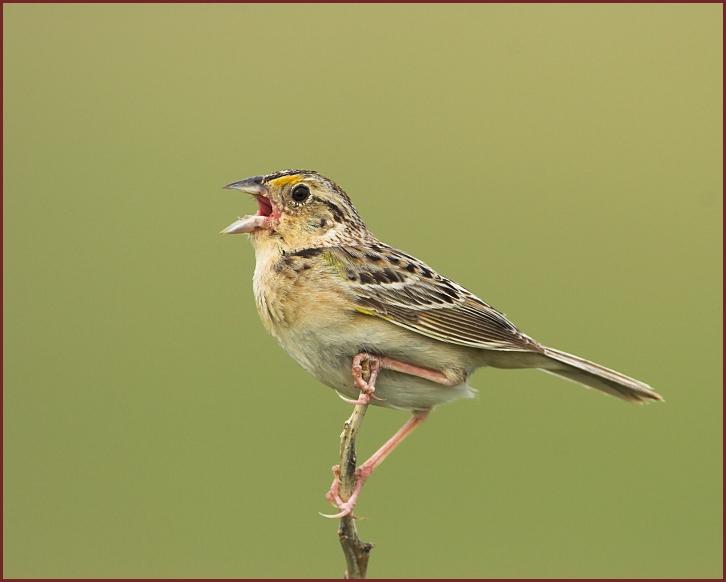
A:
(356, 552)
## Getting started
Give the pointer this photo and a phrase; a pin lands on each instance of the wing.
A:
(390, 284)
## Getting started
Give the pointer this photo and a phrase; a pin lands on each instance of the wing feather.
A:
(405, 291)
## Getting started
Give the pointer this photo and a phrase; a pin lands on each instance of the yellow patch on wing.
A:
(284, 180)
(364, 311)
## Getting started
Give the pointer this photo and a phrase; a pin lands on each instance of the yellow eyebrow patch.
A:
(284, 180)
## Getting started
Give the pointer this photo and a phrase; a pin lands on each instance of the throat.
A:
(267, 253)
(267, 286)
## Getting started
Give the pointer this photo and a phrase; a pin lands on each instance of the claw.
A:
(346, 511)
(363, 399)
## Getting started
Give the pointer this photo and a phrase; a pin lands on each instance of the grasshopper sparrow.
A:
(336, 298)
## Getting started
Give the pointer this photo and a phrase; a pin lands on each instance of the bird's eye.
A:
(300, 193)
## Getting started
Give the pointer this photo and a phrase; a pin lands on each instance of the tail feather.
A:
(598, 377)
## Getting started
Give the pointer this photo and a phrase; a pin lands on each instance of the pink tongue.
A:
(245, 224)
(265, 208)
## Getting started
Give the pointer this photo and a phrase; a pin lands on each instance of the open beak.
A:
(265, 208)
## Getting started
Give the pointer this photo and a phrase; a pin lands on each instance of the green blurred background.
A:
(564, 162)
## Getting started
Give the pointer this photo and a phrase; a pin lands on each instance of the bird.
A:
(340, 301)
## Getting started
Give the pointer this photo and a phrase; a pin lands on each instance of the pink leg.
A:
(367, 468)
(367, 393)
(421, 372)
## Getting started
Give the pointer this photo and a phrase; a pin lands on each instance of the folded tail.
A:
(597, 376)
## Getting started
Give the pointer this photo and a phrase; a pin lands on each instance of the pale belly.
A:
(326, 351)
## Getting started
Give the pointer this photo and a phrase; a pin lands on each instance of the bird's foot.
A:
(333, 494)
(372, 365)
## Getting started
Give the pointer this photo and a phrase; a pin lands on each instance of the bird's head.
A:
(298, 209)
